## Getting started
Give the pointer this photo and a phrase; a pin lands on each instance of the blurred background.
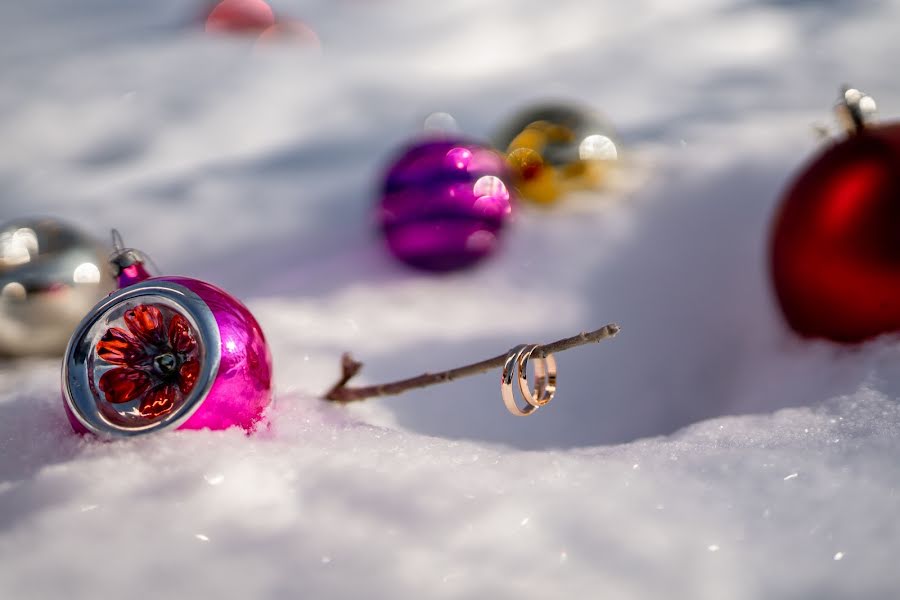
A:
(255, 163)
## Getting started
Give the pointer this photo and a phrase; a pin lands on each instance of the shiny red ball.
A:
(290, 31)
(835, 254)
(240, 16)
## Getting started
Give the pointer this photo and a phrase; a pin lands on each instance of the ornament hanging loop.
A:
(122, 257)
(129, 264)
(856, 109)
(118, 244)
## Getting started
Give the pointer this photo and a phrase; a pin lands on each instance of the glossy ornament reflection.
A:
(165, 353)
(835, 251)
(289, 31)
(444, 204)
(239, 16)
(555, 148)
(51, 274)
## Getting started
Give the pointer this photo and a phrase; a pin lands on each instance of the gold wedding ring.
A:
(544, 375)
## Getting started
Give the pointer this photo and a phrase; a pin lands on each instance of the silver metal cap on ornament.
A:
(51, 274)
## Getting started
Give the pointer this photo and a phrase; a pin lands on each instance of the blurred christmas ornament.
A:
(835, 252)
(165, 353)
(239, 16)
(50, 276)
(444, 203)
(556, 148)
(289, 31)
(441, 124)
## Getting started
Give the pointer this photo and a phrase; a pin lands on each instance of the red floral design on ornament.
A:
(155, 363)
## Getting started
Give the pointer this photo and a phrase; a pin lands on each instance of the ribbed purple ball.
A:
(444, 204)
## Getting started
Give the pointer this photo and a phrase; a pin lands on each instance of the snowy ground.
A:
(704, 453)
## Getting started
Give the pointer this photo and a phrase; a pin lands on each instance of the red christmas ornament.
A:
(835, 254)
(240, 16)
(290, 31)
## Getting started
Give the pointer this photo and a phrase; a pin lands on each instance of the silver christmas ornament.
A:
(51, 275)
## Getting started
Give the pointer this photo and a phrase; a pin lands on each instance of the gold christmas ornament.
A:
(553, 149)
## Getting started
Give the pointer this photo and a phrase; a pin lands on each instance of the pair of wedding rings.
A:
(516, 366)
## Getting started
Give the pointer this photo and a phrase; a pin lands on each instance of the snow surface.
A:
(704, 453)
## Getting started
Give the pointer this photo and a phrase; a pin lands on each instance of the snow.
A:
(703, 453)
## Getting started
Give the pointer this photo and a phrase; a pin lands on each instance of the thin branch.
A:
(350, 367)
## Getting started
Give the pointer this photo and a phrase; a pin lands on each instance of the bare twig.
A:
(350, 367)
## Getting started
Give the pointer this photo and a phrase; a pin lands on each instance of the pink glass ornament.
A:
(165, 353)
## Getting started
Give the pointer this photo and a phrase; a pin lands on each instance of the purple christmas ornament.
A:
(444, 204)
(165, 353)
